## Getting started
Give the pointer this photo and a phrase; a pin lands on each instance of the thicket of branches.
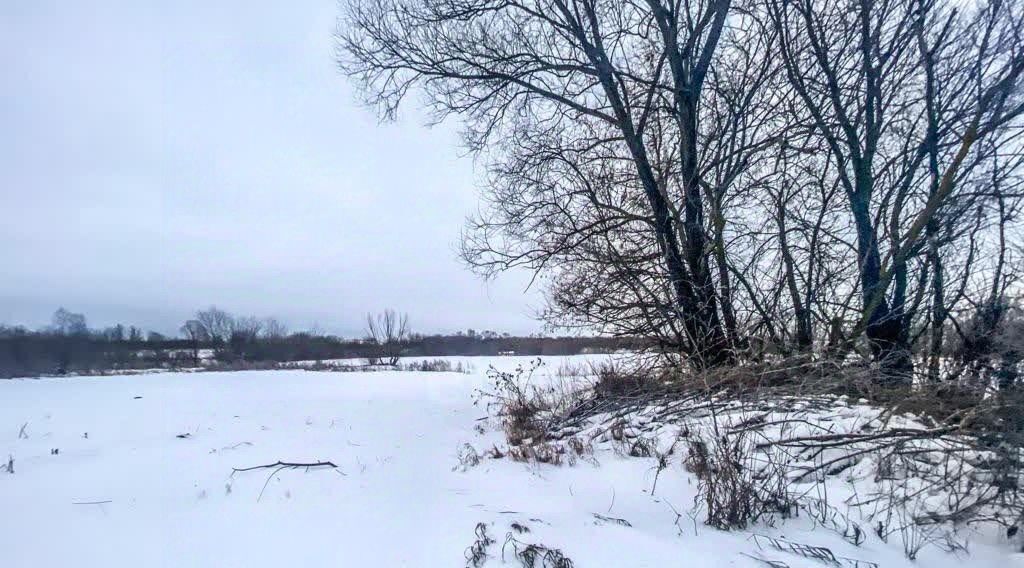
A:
(736, 178)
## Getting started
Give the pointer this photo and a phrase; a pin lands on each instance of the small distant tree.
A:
(218, 324)
(274, 328)
(195, 332)
(114, 333)
(245, 332)
(72, 332)
(69, 323)
(387, 331)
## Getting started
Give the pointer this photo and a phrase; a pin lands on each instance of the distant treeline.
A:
(217, 339)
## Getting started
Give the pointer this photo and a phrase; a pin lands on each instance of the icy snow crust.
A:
(143, 476)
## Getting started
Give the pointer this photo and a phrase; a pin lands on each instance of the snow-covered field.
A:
(143, 476)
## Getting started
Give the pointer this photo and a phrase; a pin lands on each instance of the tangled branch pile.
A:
(776, 441)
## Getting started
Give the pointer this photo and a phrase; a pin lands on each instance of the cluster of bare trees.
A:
(68, 344)
(214, 337)
(729, 175)
(214, 326)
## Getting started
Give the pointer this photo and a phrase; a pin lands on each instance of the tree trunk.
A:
(713, 347)
(884, 326)
(800, 311)
(724, 281)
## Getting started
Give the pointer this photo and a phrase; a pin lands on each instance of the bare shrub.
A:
(569, 452)
(614, 379)
(642, 447)
(542, 452)
(436, 366)
(734, 488)
(494, 453)
(516, 403)
(579, 447)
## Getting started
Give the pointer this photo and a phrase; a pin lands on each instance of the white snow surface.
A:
(125, 490)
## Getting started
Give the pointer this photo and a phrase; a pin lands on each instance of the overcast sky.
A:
(158, 157)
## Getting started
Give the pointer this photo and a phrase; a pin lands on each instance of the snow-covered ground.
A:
(143, 476)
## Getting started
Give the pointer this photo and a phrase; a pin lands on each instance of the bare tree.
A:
(195, 332)
(246, 328)
(387, 331)
(273, 328)
(69, 323)
(245, 334)
(900, 93)
(605, 73)
(730, 178)
(114, 333)
(217, 323)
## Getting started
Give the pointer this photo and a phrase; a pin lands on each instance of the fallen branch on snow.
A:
(281, 464)
(278, 466)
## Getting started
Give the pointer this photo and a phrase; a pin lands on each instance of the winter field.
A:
(138, 470)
